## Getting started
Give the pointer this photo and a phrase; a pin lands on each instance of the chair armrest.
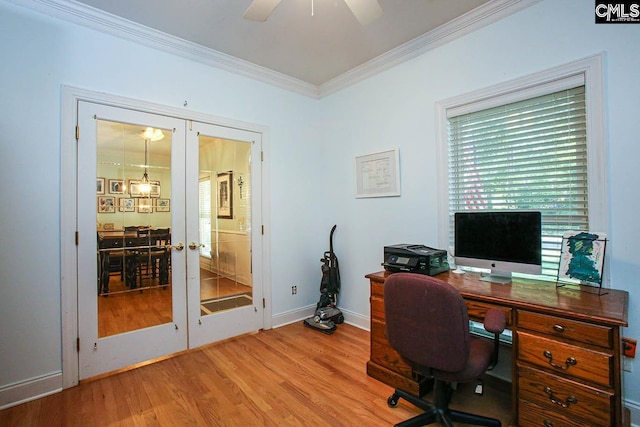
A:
(495, 321)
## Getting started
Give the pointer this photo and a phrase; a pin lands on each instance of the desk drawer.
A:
(377, 308)
(566, 359)
(570, 399)
(531, 415)
(383, 354)
(575, 330)
(478, 310)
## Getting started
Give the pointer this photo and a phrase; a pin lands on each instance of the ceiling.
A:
(312, 54)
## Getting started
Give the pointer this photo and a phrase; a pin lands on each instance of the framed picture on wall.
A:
(163, 205)
(378, 174)
(155, 188)
(126, 205)
(106, 204)
(116, 186)
(134, 188)
(145, 205)
(100, 185)
(225, 195)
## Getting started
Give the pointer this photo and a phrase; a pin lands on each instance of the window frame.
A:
(589, 69)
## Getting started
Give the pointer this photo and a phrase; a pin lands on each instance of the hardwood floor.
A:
(127, 309)
(291, 376)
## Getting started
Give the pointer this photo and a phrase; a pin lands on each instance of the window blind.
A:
(525, 155)
(204, 209)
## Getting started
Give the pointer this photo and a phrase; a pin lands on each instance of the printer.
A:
(415, 259)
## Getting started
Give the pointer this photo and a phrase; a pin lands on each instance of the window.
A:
(529, 147)
(204, 199)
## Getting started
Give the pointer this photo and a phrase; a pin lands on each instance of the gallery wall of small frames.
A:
(114, 196)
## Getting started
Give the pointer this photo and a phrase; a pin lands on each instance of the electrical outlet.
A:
(294, 290)
(627, 364)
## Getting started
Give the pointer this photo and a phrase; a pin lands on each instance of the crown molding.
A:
(87, 16)
(473, 20)
(90, 17)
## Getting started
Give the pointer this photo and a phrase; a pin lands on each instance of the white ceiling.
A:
(315, 55)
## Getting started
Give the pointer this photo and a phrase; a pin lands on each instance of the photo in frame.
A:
(378, 174)
(145, 205)
(106, 204)
(163, 205)
(116, 186)
(100, 185)
(225, 194)
(155, 188)
(134, 188)
(582, 256)
(126, 205)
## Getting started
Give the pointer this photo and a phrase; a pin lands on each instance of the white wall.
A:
(313, 144)
(39, 55)
(397, 109)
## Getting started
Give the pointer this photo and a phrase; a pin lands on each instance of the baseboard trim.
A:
(634, 411)
(31, 389)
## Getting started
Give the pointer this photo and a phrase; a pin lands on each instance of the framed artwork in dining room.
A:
(106, 204)
(155, 188)
(145, 205)
(163, 205)
(99, 185)
(225, 195)
(116, 186)
(126, 205)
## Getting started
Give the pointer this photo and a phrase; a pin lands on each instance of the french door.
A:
(164, 263)
(223, 203)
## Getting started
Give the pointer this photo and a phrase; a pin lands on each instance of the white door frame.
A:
(68, 208)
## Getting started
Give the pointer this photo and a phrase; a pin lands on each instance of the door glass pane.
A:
(224, 199)
(133, 227)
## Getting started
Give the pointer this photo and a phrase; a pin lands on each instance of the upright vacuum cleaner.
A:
(327, 315)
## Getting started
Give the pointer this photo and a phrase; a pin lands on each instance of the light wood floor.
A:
(292, 376)
(126, 310)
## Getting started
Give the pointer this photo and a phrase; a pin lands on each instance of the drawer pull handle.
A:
(570, 399)
(558, 328)
(547, 423)
(570, 361)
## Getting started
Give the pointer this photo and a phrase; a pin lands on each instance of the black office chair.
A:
(428, 325)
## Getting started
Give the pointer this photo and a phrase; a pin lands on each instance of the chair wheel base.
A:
(392, 401)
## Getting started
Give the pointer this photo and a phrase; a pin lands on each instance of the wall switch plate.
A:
(627, 364)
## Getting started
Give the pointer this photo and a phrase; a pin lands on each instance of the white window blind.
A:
(525, 155)
(204, 200)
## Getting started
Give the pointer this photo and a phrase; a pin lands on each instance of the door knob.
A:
(194, 245)
(179, 246)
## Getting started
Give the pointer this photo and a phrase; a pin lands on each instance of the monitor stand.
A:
(501, 277)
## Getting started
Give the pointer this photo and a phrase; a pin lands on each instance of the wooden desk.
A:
(566, 357)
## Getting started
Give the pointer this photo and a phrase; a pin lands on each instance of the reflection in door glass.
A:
(133, 226)
(224, 191)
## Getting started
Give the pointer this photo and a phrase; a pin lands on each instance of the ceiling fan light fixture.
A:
(260, 10)
(365, 11)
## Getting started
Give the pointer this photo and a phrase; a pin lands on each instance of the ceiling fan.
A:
(365, 11)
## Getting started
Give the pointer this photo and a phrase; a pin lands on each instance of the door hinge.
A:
(77, 238)
(77, 133)
(262, 156)
(78, 344)
(262, 229)
(264, 303)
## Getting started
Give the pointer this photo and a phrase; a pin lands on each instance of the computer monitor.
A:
(504, 242)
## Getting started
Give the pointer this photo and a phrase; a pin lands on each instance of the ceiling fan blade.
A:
(260, 10)
(365, 11)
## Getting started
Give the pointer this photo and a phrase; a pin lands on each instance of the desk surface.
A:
(583, 302)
